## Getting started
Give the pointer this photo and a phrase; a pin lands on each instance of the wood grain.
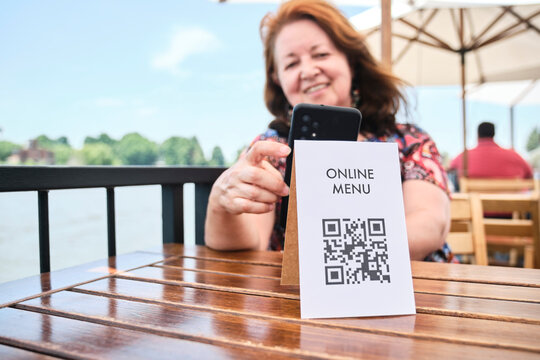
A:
(193, 302)
(13, 353)
(302, 339)
(448, 305)
(426, 326)
(477, 290)
(221, 282)
(224, 267)
(59, 336)
(503, 292)
(476, 273)
(17, 290)
(271, 258)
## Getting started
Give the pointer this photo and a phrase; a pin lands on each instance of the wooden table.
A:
(190, 302)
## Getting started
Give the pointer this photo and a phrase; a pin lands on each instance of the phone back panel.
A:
(319, 122)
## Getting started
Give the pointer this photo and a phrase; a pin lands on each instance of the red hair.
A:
(377, 87)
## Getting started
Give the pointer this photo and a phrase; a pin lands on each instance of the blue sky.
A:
(169, 68)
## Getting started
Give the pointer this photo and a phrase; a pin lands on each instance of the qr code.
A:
(355, 251)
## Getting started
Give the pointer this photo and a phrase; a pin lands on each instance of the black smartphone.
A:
(318, 122)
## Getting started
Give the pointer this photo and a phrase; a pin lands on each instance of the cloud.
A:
(109, 102)
(185, 43)
(146, 111)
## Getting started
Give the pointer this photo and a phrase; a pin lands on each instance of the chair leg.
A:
(512, 261)
(528, 257)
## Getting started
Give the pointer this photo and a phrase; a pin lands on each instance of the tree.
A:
(533, 141)
(182, 151)
(175, 150)
(62, 153)
(45, 142)
(97, 154)
(60, 147)
(101, 139)
(134, 149)
(7, 148)
(196, 155)
(217, 157)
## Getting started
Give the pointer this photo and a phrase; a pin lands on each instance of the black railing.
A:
(172, 179)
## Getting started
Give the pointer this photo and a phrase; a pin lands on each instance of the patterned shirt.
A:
(419, 160)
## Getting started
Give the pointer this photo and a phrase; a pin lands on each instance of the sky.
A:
(171, 68)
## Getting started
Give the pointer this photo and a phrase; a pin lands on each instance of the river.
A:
(78, 226)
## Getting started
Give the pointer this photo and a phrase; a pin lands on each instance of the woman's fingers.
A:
(253, 185)
(255, 193)
(262, 178)
(273, 171)
(242, 205)
(262, 149)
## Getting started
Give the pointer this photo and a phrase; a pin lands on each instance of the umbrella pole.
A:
(386, 33)
(512, 126)
(463, 105)
(464, 118)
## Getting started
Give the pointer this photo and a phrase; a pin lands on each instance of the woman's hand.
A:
(252, 185)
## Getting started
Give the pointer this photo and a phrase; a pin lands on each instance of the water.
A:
(78, 226)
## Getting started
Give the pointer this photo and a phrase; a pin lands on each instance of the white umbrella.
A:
(459, 42)
(509, 93)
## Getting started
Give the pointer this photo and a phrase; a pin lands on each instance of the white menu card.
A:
(352, 239)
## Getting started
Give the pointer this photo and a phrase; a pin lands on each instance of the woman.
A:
(313, 55)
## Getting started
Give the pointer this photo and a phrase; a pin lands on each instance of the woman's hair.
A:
(378, 89)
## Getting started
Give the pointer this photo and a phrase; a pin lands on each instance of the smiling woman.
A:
(313, 55)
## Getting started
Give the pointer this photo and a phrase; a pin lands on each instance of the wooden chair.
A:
(498, 185)
(516, 235)
(466, 235)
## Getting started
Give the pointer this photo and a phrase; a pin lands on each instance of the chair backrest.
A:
(519, 233)
(498, 185)
(466, 235)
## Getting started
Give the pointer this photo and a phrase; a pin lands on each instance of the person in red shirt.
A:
(489, 160)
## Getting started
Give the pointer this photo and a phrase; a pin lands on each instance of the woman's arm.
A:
(427, 215)
(240, 213)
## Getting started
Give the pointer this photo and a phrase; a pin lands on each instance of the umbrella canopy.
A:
(509, 93)
(459, 42)
(500, 41)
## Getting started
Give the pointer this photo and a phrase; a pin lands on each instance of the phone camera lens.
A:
(306, 118)
(315, 125)
(304, 129)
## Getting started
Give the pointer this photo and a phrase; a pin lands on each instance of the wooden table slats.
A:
(193, 302)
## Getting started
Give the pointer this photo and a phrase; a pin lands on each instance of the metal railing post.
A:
(202, 192)
(44, 248)
(111, 222)
(172, 207)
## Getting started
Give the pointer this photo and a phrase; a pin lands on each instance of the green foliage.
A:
(97, 154)
(182, 151)
(60, 147)
(217, 157)
(7, 148)
(62, 153)
(533, 141)
(101, 139)
(43, 141)
(134, 149)
(196, 155)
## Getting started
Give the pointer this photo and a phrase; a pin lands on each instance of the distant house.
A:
(33, 154)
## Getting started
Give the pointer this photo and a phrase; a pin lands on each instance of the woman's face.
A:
(309, 68)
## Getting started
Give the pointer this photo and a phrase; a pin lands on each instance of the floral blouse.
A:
(419, 159)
